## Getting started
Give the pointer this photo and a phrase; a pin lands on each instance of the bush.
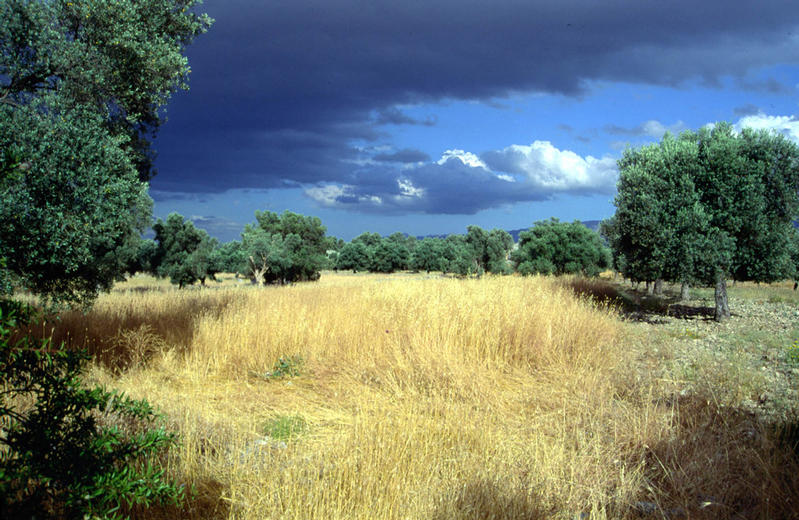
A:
(69, 451)
(554, 247)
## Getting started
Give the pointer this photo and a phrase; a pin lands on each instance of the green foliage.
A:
(389, 256)
(71, 451)
(706, 206)
(333, 248)
(141, 256)
(72, 208)
(459, 256)
(284, 248)
(184, 253)
(490, 249)
(428, 255)
(661, 229)
(749, 184)
(286, 367)
(81, 86)
(554, 247)
(370, 240)
(355, 256)
(229, 258)
(286, 427)
(793, 245)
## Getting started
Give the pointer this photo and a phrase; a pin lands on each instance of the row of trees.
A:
(476, 252)
(274, 249)
(290, 247)
(708, 206)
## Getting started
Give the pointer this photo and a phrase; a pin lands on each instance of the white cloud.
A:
(407, 189)
(547, 168)
(330, 194)
(327, 195)
(467, 158)
(463, 183)
(786, 125)
(473, 161)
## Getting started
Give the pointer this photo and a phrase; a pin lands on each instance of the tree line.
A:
(279, 249)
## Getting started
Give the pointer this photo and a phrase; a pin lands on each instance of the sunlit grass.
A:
(416, 396)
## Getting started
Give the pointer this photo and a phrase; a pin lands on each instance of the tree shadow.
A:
(723, 463)
(638, 305)
(206, 501)
(688, 312)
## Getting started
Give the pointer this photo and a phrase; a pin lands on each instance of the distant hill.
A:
(590, 224)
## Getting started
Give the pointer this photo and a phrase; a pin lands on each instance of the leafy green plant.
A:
(285, 427)
(286, 367)
(67, 451)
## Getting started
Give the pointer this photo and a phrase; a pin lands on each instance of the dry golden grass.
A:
(422, 397)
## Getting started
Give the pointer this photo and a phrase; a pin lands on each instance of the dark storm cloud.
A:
(746, 110)
(405, 155)
(768, 86)
(281, 91)
(394, 116)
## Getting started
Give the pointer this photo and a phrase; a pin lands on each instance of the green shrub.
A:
(285, 427)
(286, 367)
(67, 451)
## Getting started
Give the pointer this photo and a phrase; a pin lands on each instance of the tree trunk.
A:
(258, 271)
(659, 287)
(722, 305)
(685, 292)
(650, 288)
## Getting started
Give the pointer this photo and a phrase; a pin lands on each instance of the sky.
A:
(428, 116)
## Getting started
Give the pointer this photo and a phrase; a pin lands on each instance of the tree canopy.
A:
(284, 248)
(554, 247)
(706, 206)
(184, 252)
(81, 86)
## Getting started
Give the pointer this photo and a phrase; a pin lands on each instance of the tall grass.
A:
(423, 398)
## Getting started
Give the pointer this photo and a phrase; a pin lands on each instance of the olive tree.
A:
(554, 247)
(718, 203)
(81, 87)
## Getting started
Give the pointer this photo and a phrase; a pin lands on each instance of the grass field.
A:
(415, 397)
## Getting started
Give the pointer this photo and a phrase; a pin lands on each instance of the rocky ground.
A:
(750, 361)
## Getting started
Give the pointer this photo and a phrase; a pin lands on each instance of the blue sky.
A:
(426, 117)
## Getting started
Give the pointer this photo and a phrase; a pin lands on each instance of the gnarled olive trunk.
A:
(659, 287)
(685, 290)
(650, 288)
(722, 305)
(258, 271)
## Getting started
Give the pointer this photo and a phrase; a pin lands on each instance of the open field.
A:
(414, 396)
